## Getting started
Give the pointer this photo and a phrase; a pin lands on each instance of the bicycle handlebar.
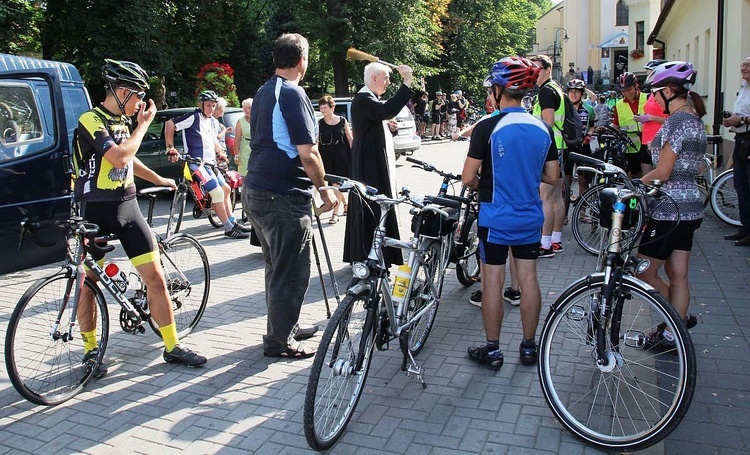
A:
(187, 158)
(430, 168)
(606, 168)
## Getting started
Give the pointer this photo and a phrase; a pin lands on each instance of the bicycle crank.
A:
(130, 324)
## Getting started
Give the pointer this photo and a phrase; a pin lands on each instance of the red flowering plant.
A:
(218, 77)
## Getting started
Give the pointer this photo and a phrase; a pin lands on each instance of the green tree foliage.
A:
(480, 32)
(173, 38)
(450, 42)
(19, 27)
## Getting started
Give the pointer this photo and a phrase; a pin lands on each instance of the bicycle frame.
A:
(75, 267)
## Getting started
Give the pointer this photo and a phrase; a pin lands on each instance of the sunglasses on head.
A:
(654, 90)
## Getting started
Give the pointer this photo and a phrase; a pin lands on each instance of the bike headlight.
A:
(642, 265)
(360, 270)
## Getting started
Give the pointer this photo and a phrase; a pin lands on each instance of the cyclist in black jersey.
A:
(105, 188)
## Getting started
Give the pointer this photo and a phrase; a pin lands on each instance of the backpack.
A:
(572, 130)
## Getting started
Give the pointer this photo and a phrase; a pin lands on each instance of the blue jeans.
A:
(283, 224)
(742, 178)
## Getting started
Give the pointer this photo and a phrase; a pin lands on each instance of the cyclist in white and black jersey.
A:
(200, 141)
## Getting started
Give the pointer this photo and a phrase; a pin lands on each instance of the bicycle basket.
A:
(431, 224)
(607, 199)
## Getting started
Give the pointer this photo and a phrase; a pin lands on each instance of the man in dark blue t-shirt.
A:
(278, 189)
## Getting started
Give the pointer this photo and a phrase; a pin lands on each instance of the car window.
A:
(230, 118)
(155, 130)
(21, 129)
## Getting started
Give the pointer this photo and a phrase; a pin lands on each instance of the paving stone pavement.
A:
(243, 402)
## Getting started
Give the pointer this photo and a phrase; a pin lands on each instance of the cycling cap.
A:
(513, 73)
(654, 63)
(576, 84)
(117, 72)
(208, 95)
(677, 72)
(627, 80)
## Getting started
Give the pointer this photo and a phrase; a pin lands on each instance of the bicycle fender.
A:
(360, 288)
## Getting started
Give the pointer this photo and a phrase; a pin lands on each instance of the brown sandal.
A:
(294, 351)
(334, 219)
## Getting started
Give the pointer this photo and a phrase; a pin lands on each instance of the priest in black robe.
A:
(373, 160)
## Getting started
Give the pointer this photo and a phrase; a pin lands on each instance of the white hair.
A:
(247, 102)
(373, 69)
(221, 103)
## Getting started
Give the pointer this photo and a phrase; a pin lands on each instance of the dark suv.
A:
(153, 152)
(40, 102)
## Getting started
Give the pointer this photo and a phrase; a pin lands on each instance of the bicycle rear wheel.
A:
(426, 287)
(467, 262)
(724, 201)
(339, 371)
(188, 278)
(44, 364)
(176, 210)
(645, 390)
(586, 226)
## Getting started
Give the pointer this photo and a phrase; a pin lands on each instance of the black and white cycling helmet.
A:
(576, 84)
(653, 64)
(120, 72)
(208, 95)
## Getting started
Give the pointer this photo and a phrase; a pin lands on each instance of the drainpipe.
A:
(663, 47)
(718, 93)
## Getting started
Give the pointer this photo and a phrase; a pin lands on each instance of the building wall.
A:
(690, 33)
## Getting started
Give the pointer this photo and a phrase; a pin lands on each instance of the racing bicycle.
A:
(44, 352)
(617, 365)
(192, 186)
(369, 318)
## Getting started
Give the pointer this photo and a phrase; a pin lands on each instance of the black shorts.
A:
(496, 254)
(634, 162)
(658, 242)
(125, 220)
(645, 155)
(435, 118)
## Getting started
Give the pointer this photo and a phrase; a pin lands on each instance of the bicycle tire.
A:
(467, 262)
(724, 201)
(176, 211)
(421, 295)
(188, 277)
(214, 219)
(587, 230)
(336, 384)
(46, 369)
(646, 393)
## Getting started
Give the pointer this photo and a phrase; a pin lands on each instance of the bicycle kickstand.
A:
(413, 370)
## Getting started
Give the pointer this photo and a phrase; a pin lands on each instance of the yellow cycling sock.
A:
(169, 335)
(89, 340)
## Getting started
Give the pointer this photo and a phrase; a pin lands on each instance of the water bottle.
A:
(117, 276)
(401, 283)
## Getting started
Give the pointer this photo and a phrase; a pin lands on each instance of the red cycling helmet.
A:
(516, 73)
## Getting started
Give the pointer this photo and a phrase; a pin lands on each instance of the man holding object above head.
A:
(373, 159)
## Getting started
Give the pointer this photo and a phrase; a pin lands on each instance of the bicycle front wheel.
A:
(645, 389)
(339, 371)
(188, 278)
(45, 361)
(176, 210)
(724, 201)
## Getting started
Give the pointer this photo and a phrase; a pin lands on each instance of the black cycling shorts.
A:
(496, 254)
(658, 242)
(125, 220)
